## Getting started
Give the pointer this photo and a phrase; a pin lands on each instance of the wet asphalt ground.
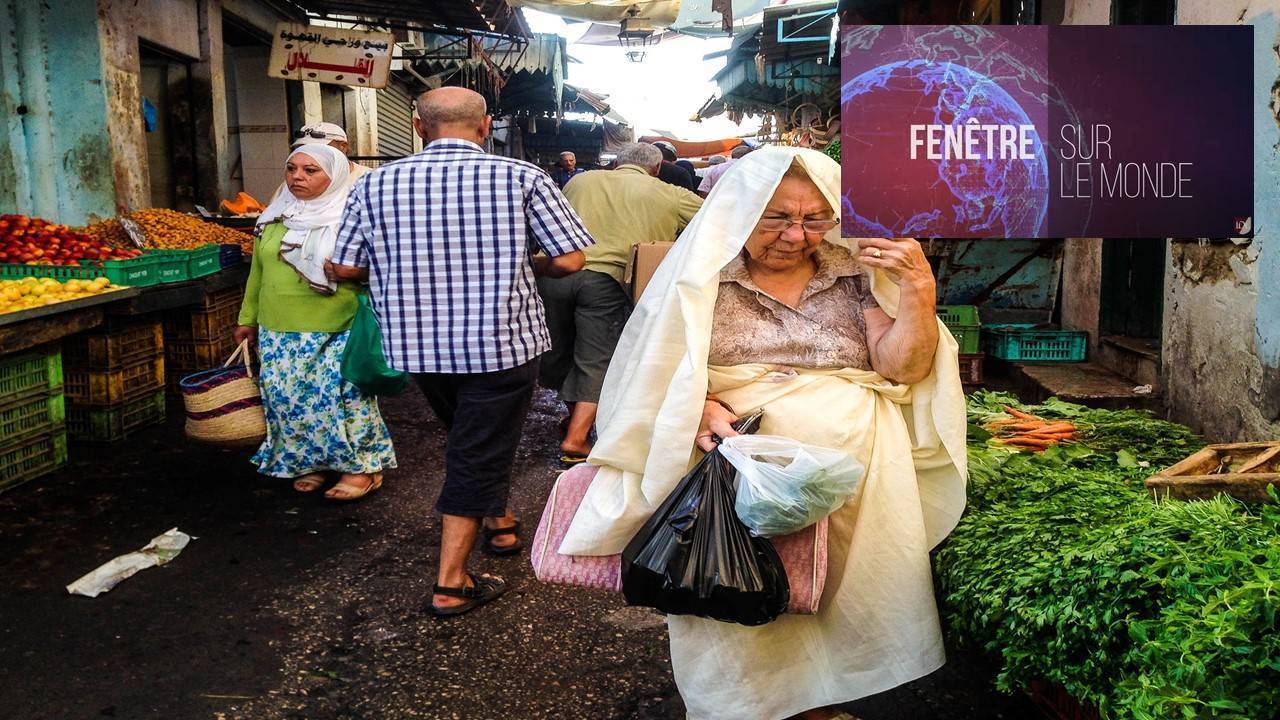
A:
(293, 607)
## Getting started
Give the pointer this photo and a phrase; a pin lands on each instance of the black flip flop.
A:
(490, 533)
(484, 588)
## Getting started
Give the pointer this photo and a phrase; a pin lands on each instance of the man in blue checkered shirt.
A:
(447, 240)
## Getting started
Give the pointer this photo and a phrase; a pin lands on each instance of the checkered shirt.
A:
(447, 235)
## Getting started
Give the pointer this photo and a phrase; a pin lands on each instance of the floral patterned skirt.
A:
(316, 421)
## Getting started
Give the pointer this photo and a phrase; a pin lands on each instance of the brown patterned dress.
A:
(826, 330)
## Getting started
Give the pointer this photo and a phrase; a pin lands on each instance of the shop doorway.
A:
(1131, 306)
(166, 88)
(1143, 12)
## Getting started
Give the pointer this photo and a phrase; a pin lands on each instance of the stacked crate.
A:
(114, 380)
(33, 437)
(200, 338)
(963, 322)
(1027, 343)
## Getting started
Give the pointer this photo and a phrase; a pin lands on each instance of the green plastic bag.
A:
(363, 363)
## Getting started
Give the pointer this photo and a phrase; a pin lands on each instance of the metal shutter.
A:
(395, 121)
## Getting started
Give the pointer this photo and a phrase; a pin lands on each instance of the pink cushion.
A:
(804, 553)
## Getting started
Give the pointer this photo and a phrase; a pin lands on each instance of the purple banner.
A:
(1047, 131)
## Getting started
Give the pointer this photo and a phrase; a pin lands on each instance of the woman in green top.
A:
(317, 422)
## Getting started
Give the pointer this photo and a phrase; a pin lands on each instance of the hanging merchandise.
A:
(695, 557)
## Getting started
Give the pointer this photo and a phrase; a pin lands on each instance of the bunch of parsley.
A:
(1066, 569)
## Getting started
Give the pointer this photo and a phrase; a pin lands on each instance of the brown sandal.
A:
(310, 482)
(351, 491)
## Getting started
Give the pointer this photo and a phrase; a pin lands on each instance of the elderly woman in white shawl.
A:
(762, 305)
(318, 425)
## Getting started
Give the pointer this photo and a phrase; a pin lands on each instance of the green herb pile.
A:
(833, 150)
(1065, 569)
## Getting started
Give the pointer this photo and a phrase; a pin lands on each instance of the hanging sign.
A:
(331, 55)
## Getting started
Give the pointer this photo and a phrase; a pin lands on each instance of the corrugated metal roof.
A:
(482, 15)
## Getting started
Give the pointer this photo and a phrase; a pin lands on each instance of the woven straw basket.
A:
(224, 405)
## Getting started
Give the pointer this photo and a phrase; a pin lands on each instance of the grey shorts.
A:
(586, 312)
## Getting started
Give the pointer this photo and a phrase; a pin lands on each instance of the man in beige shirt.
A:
(586, 311)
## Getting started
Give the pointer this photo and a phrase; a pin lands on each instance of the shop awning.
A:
(480, 15)
(696, 148)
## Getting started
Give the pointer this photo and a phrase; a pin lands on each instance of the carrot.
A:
(1057, 427)
(1019, 413)
(1025, 426)
(1031, 442)
(1048, 433)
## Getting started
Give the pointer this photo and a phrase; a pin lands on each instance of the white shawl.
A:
(312, 225)
(652, 399)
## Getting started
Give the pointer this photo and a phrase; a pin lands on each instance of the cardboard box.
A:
(645, 259)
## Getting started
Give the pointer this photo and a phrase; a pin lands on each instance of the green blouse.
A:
(278, 299)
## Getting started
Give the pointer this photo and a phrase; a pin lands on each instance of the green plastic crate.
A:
(959, 314)
(29, 373)
(197, 263)
(967, 336)
(169, 266)
(31, 458)
(93, 424)
(1020, 342)
(205, 261)
(36, 415)
(135, 272)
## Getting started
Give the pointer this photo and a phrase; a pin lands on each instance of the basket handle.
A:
(241, 353)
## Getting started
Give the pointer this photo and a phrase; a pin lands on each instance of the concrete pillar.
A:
(1082, 287)
(312, 108)
(210, 108)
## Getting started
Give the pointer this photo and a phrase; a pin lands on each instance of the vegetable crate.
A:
(967, 337)
(38, 414)
(169, 266)
(29, 459)
(92, 424)
(962, 321)
(971, 369)
(230, 255)
(115, 387)
(197, 263)
(135, 272)
(1033, 343)
(959, 315)
(113, 349)
(30, 373)
(32, 415)
(1241, 470)
(1058, 704)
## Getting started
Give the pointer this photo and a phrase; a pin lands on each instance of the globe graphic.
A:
(889, 194)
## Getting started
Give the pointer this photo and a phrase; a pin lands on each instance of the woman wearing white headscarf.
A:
(762, 304)
(318, 424)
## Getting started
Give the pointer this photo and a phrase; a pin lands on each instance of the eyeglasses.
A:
(817, 227)
(317, 134)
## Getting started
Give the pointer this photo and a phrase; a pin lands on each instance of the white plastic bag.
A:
(785, 485)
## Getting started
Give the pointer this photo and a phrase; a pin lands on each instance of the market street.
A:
(288, 606)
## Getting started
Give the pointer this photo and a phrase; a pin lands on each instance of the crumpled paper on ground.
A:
(159, 551)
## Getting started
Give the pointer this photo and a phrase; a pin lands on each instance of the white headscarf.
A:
(312, 225)
(656, 383)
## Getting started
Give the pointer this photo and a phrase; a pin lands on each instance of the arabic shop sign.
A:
(331, 55)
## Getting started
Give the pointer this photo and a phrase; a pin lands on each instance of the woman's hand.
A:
(902, 259)
(716, 420)
(246, 332)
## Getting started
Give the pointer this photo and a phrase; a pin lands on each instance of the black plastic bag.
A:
(695, 557)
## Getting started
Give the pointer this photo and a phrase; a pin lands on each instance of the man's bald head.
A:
(452, 112)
